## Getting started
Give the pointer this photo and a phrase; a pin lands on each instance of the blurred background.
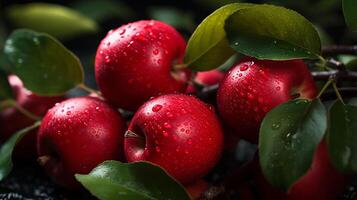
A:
(93, 19)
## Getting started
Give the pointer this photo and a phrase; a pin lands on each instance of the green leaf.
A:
(101, 10)
(208, 47)
(8, 147)
(349, 11)
(342, 136)
(44, 65)
(352, 64)
(289, 136)
(272, 32)
(5, 88)
(59, 21)
(173, 16)
(114, 180)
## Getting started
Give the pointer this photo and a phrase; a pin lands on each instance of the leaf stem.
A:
(323, 63)
(89, 89)
(22, 110)
(328, 83)
(337, 92)
(30, 128)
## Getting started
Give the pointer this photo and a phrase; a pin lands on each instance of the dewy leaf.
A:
(350, 14)
(289, 136)
(44, 65)
(59, 21)
(208, 47)
(342, 136)
(272, 32)
(114, 180)
(8, 147)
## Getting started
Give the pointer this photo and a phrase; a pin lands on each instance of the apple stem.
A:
(179, 66)
(42, 160)
(131, 134)
(89, 89)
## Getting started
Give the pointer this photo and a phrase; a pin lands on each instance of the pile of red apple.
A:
(138, 68)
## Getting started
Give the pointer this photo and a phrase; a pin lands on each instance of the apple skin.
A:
(177, 132)
(135, 62)
(77, 135)
(252, 87)
(195, 189)
(321, 182)
(206, 78)
(11, 120)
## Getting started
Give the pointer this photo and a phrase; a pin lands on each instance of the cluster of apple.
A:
(138, 67)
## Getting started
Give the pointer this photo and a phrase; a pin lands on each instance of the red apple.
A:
(206, 78)
(77, 135)
(11, 120)
(178, 132)
(136, 61)
(196, 188)
(253, 87)
(321, 182)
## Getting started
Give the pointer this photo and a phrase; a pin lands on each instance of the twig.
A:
(339, 49)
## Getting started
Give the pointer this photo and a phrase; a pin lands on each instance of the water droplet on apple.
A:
(122, 31)
(189, 141)
(107, 59)
(156, 108)
(157, 149)
(277, 88)
(155, 52)
(165, 133)
(169, 114)
(243, 67)
(167, 125)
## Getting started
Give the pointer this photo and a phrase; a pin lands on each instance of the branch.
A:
(339, 49)
(345, 75)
